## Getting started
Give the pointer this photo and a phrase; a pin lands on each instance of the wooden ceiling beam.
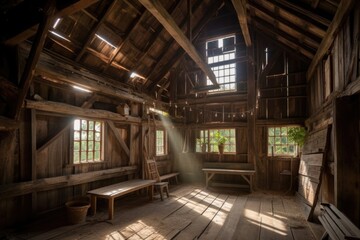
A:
(130, 30)
(155, 37)
(296, 9)
(341, 13)
(17, 29)
(285, 26)
(240, 8)
(58, 70)
(33, 58)
(66, 109)
(160, 13)
(94, 30)
(291, 43)
(291, 19)
(180, 52)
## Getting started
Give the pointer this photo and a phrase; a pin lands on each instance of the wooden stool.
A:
(161, 186)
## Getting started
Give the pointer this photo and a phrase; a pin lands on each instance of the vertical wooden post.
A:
(33, 157)
(251, 103)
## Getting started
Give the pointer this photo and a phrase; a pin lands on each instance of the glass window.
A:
(160, 142)
(221, 57)
(278, 142)
(208, 137)
(88, 141)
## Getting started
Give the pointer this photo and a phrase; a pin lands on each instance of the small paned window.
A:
(160, 143)
(278, 142)
(88, 141)
(221, 57)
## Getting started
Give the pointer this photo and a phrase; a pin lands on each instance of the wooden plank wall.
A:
(32, 184)
(344, 81)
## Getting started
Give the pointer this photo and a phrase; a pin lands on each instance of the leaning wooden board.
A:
(119, 189)
(310, 169)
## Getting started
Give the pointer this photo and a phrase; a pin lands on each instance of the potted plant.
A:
(297, 135)
(220, 140)
(202, 144)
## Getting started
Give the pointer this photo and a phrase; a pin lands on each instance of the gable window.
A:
(221, 58)
(160, 142)
(88, 141)
(278, 142)
(208, 137)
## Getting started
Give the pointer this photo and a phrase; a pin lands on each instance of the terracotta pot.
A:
(221, 148)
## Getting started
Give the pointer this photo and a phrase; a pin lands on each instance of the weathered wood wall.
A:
(335, 77)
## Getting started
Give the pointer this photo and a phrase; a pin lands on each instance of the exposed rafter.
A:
(284, 26)
(33, 58)
(240, 7)
(95, 29)
(180, 53)
(18, 29)
(342, 11)
(160, 13)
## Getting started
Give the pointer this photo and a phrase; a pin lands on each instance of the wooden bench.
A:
(245, 170)
(170, 175)
(336, 224)
(119, 189)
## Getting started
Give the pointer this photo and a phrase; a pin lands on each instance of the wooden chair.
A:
(154, 175)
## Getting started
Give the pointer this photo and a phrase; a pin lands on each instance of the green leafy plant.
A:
(219, 138)
(297, 135)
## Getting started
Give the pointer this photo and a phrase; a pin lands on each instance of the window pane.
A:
(83, 135)
(83, 145)
(97, 136)
(77, 124)
(97, 146)
(91, 125)
(76, 135)
(97, 155)
(90, 156)
(83, 156)
(83, 124)
(90, 135)
(76, 146)
(90, 146)
(76, 157)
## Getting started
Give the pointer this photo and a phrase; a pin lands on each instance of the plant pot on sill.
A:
(76, 210)
(203, 148)
(221, 148)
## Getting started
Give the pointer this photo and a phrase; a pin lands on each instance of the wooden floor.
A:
(191, 212)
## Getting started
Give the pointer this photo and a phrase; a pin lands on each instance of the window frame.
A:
(271, 147)
(164, 142)
(211, 147)
(225, 70)
(94, 141)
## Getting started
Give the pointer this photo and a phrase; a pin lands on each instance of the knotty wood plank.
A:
(281, 218)
(119, 138)
(160, 13)
(248, 228)
(219, 221)
(229, 227)
(342, 11)
(298, 225)
(206, 213)
(269, 229)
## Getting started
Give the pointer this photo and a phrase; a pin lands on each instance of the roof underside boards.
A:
(115, 38)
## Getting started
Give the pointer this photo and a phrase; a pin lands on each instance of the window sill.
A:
(82, 164)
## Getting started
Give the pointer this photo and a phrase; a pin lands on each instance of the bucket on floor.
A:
(76, 211)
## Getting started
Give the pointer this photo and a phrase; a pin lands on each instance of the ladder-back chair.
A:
(153, 174)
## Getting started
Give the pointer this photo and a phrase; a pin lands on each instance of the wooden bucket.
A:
(76, 211)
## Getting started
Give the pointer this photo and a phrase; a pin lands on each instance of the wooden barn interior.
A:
(95, 93)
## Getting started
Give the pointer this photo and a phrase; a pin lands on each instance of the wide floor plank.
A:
(191, 212)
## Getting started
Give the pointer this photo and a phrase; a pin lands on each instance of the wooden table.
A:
(245, 174)
(119, 189)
